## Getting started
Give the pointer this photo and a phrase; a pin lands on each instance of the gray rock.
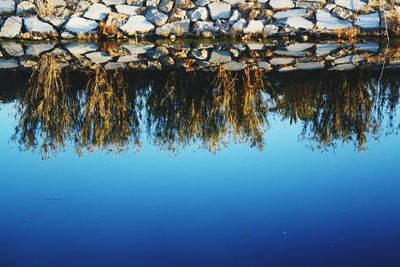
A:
(152, 3)
(220, 10)
(81, 48)
(38, 49)
(98, 57)
(354, 59)
(137, 48)
(326, 21)
(34, 25)
(219, 57)
(200, 54)
(137, 24)
(114, 2)
(8, 64)
(310, 65)
(26, 8)
(156, 17)
(354, 5)
(13, 49)
(343, 67)
(300, 23)
(165, 6)
(7, 7)
(97, 12)
(370, 21)
(325, 49)
(281, 4)
(235, 16)
(127, 10)
(270, 30)
(81, 25)
(264, 65)
(300, 12)
(178, 28)
(254, 27)
(200, 13)
(281, 61)
(11, 27)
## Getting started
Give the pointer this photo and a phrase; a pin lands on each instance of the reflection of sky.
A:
(285, 206)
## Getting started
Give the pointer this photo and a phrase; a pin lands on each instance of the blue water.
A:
(284, 206)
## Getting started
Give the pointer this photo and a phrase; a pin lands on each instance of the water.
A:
(299, 170)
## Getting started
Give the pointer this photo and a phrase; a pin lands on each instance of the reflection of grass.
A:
(108, 121)
(48, 108)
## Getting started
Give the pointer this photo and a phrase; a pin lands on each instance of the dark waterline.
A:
(277, 169)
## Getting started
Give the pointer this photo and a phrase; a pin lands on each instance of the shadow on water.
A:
(98, 109)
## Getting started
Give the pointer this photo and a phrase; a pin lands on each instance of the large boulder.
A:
(137, 24)
(81, 25)
(220, 10)
(11, 27)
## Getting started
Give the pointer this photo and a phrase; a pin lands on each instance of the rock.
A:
(34, 25)
(13, 49)
(202, 2)
(239, 25)
(281, 61)
(370, 21)
(127, 10)
(98, 57)
(200, 54)
(270, 30)
(137, 24)
(325, 21)
(342, 13)
(255, 46)
(325, 49)
(202, 26)
(81, 48)
(114, 2)
(300, 23)
(220, 10)
(368, 47)
(26, 8)
(137, 48)
(235, 16)
(264, 65)
(7, 7)
(8, 64)
(11, 27)
(156, 17)
(234, 66)
(115, 65)
(57, 21)
(152, 3)
(254, 27)
(310, 65)
(354, 5)
(177, 28)
(200, 13)
(38, 49)
(354, 59)
(343, 67)
(97, 12)
(281, 4)
(300, 12)
(81, 25)
(219, 57)
(165, 6)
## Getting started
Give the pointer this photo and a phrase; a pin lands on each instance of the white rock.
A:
(254, 27)
(300, 23)
(281, 61)
(370, 21)
(354, 5)
(219, 57)
(98, 57)
(33, 24)
(127, 10)
(300, 12)
(114, 2)
(200, 13)
(234, 66)
(7, 7)
(13, 49)
(326, 21)
(81, 48)
(281, 4)
(81, 25)
(234, 2)
(11, 27)
(270, 29)
(8, 64)
(156, 17)
(137, 48)
(26, 7)
(97, 12)
(137, 24)
(220, 10)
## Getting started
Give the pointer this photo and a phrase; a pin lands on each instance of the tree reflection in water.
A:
(208, 108)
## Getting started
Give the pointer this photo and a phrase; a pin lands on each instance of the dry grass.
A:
(45, 8)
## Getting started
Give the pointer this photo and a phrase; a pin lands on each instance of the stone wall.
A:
(39, 19)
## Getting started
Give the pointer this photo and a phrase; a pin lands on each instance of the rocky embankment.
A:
(161, 55)
(43, 19)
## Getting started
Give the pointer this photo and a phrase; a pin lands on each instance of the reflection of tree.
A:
(49, 109)
(186, 107)
(335, 106)
(109, 120)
